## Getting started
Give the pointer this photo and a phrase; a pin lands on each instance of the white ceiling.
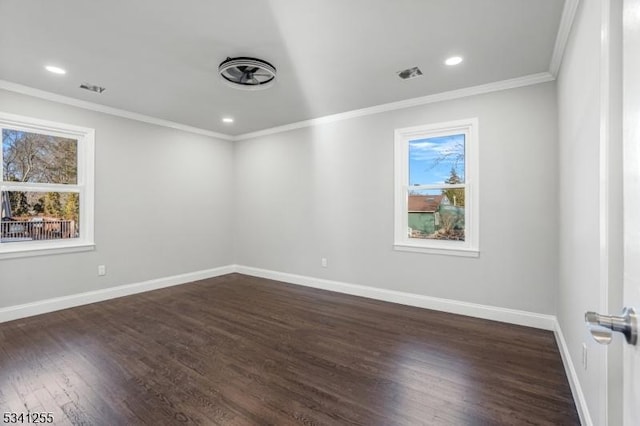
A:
(160, 58)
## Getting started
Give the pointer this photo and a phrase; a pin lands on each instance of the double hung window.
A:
(46, 186)
(436, 188)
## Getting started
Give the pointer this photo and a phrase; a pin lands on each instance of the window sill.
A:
(460, 252)
(44, 250)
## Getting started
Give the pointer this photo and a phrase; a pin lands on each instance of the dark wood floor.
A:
(240, 350)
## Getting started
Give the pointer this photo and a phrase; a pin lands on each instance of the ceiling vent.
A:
(410, 73)
(247, 73)
(92, 87)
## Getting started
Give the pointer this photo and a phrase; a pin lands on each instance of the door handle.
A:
(602, 326)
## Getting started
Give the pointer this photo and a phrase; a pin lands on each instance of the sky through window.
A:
(432, 159)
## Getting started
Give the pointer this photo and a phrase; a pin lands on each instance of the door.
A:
(631, 168)
(601, 325)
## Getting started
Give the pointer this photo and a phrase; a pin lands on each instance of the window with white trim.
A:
(436, 188)
(46, 187)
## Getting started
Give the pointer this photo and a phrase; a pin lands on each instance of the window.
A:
(46, 187)
(436, 188)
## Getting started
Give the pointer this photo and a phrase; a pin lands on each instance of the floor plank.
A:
(239, 350)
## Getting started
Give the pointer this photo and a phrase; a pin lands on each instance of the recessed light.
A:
(454, 60)
(227, 120)
(55, 70)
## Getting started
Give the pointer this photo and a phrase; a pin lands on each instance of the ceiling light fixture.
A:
(227, 120)
(55, 70)
(247, 73)
(454, 60)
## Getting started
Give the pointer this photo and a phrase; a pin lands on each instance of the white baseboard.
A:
(49, 305)
(572, 376)
(512, 316)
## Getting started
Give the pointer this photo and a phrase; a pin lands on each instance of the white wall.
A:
(170, 202)
(590, 231)
(163, 207)
(327, 191)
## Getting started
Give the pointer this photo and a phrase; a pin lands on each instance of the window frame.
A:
(402, 242)
(84, 186)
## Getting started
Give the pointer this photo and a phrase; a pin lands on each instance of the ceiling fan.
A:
(247, 73)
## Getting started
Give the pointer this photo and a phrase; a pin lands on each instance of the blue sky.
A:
(431, 159)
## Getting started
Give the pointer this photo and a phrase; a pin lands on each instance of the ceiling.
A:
(160, 58)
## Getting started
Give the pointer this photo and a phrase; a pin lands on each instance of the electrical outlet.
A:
(324, 262)
(102, 270)
(584, 356)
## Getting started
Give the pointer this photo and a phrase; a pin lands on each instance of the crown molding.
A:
(512, 83)
(566, 22)
(37, 93)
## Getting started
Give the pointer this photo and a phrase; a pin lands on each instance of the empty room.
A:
(320, 212)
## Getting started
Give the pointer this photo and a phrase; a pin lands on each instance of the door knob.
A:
(602, 326)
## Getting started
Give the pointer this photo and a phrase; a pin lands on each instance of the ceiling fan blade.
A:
(246, 76)
(234, 72)
(262, 73)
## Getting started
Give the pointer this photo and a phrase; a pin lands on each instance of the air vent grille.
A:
(92, 87)
(410, 73)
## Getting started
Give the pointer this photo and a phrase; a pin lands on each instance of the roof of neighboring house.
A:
(424, 203)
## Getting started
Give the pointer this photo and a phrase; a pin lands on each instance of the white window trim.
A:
(402, 242)
(85, 186)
